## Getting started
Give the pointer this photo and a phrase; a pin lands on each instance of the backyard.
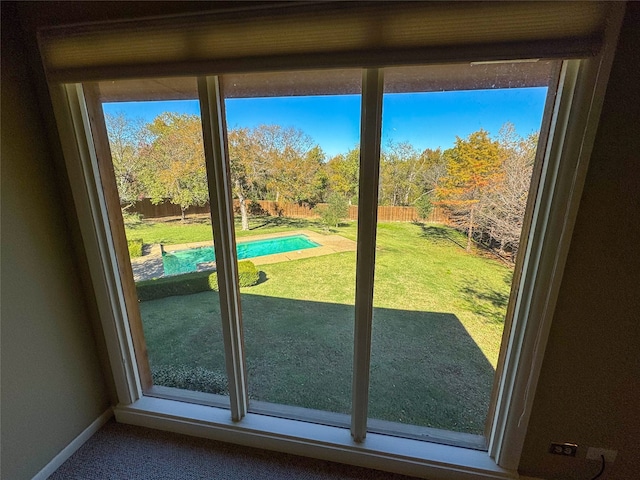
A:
(438, 320)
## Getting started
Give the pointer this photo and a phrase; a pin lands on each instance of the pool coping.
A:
(150, 266)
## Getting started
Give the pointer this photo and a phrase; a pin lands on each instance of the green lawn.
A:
(198, 228)
(436, 333)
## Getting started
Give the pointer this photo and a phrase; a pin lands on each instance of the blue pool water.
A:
(185, 261)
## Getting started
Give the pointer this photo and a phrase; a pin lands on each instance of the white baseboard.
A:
(75, 444)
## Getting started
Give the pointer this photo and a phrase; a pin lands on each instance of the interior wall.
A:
(52, 383)
(589, 387)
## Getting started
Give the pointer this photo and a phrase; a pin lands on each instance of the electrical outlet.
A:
(566, 449)
(596, 454)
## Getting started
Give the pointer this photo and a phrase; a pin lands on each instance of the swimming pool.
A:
(185, 261)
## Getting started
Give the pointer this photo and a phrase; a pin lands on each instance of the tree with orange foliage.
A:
(473, 170)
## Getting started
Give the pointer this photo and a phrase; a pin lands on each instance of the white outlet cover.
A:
(594, 453)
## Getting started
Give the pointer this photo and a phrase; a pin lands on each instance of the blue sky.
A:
(426, 120)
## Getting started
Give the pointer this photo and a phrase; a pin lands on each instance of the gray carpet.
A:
(121, 451)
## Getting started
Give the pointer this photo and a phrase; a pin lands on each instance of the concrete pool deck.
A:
(150, 265)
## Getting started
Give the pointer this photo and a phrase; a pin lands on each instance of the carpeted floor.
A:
(121, 451)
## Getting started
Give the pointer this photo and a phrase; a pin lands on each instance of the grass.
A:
(198, 228)
(436, 331)
(171, 231)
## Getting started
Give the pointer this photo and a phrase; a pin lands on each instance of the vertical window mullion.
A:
(72, 118)
(105, 172)
(216, 159)
(370, 137)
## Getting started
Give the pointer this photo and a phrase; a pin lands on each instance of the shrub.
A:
(131, 219)
(424, 206)
(190, 378)
(195, 282)
(212, 281)
(336, 210)
(248, 274)
(185, 284)
(135, 247)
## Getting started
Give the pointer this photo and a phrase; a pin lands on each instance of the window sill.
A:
(383, 452)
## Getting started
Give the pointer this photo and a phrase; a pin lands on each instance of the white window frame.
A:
(573, 125)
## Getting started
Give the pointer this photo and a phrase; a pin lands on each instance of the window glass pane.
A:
(155, 137)
(293, 142)
(458, 150)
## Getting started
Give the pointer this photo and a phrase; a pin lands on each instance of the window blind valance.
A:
(337, 81)
(324, 34)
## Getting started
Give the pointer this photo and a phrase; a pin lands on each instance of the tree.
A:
(248, 167)
(315, 161)
(176, 167)
(336, 210)
(503, 208)
(399, 169)
(433, 170)
(342, 173)
(126, 138)
(407, 177)
(293, 162)
(473, 170)
(272, 161)
(424, 206)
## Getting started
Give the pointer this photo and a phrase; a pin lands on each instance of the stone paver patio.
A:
(150, 265)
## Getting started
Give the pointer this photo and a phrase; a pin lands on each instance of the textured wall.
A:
(589, 389)
(52, 383)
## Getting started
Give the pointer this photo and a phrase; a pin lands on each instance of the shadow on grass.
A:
(134, 226)
(438, 234)
(273, 221)
(497, 299)
(425, 368)
(489, 304)
(262, 277)
(190, 219)
(508, 277)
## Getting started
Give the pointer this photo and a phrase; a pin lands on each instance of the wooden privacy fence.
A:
(293, 210)
(165, 209)
(385, 213)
